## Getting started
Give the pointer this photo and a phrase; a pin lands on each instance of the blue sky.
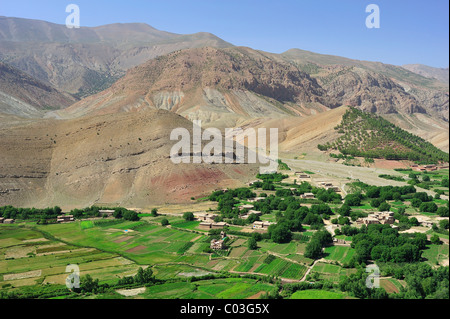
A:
(410, 31)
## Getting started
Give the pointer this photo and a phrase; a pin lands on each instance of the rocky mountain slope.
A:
(401, 89)
(212, 85)
(86, 60)
(225, 86)
(440, 74)
(23, 95)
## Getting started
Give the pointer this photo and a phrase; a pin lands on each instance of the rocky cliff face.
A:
(368, 91)
(376, 86)
(196, 82)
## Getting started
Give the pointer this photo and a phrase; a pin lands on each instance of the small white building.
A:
(65, 218)
(261, 224)
(107, 212)
(256, 199)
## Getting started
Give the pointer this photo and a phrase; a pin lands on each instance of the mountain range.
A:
(86, 114)
(85, 60)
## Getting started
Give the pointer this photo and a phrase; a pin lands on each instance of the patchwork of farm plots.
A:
(318, 294)
(140, 242)
(341, 254)
(28, 258)
(109, 249)
(392, 285)
(331, 272)
(230, 288)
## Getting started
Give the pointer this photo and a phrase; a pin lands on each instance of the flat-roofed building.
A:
(378, 218)
(370, 220)
(246, 206)
(217, 244)
(261, 224)
(206, 217)
(247, 214)
(205, 225)
(107, 212)
(334, 188)
(219, 225)
(256, 199)
(65, 218)
(326, 184)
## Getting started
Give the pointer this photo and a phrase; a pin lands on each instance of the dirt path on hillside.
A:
(311, 267)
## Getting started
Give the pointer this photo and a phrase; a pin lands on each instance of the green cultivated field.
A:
(231, 288)
(33, 255)
(436, 254)
(27, 258)
(342, 254)
(317, 294)
(331, 272)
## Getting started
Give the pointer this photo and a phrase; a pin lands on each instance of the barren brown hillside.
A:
(297, 135)
(119, 158)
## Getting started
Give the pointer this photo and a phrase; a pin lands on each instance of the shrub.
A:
(188, 216)
(384, 207)
(428, 207)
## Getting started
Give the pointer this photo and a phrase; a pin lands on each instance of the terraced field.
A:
(230, 288)
(392, 285)
(317, 294)
(341, 254)
(331, 272)
(27, 258)
(282, 268)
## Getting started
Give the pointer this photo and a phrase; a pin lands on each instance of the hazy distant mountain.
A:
(89, 60)
(345, 75)
(23, 95)
(395, 72)
(439, 74)
(86, 60)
